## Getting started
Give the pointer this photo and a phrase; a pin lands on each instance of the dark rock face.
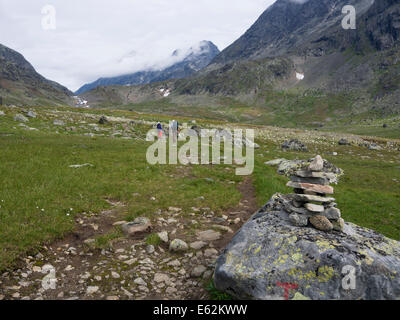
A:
(17, 73)
(193, 62)
(270, 254)
(314, 27)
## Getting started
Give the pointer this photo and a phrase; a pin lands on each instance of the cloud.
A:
(97, 38)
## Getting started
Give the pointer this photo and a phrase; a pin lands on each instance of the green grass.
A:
(40, 194)
(368, 194)
(217, 295)
(105, 241)
(153, 239)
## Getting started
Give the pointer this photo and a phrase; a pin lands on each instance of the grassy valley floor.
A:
(48, 207)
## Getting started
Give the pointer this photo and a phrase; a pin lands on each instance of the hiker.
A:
(160, 130)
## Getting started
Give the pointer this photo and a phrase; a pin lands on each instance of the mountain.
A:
(296, 65)
(195, 59)
(21, 84)
(319, 53)
(288, 26)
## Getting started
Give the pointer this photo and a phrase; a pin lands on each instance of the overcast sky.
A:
(95, 38)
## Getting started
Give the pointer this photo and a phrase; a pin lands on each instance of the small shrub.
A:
(153, 239)
(216, 294)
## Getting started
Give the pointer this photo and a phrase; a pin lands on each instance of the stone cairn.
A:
(312, 202)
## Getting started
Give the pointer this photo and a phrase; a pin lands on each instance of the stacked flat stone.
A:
(312, 202)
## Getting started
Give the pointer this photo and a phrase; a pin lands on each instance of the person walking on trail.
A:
(160, 130)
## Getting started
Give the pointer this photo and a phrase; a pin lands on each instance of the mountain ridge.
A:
(20, 83)
(315, 71)
(193, 60)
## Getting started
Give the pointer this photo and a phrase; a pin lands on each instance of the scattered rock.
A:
(210, 253)
(31, 114)
(163, 236)
(103, 120)
(223, 228)
(150, 249)
(332, 214)
(139, 225)
(198, 271)
(374, 147)
(288, 165)
(140, 282)
(198, 245)
(77, 166)
(314, 208)
(58, 122)
(317, 164)
(298, 220)
(275, 162)
(69, 268)
(311, 187)
(119, 223)
(321, 223)
(344, 142)
(338, 225)
(294, 145)
(178, 245)
(20, 118)
(171, 290)
(37, 269)
(161, 277)
(209, 235)
(92, 290)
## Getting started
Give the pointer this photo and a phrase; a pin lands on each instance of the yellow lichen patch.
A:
(324, 245)
(390, 247)
(257, 250)
(249, 249)
(300, 275)
(299, 296)
(368, 259)
(325, 273)
(297, 258)
(292, 240)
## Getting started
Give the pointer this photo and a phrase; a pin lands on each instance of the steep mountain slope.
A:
(319, 53)
(194, 60)
(289, 26)
(21, 84)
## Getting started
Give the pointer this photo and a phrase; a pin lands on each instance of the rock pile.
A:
(294, 145)
(273, 256)
(311, 202)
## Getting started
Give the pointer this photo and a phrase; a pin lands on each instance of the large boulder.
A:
(270, 259)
